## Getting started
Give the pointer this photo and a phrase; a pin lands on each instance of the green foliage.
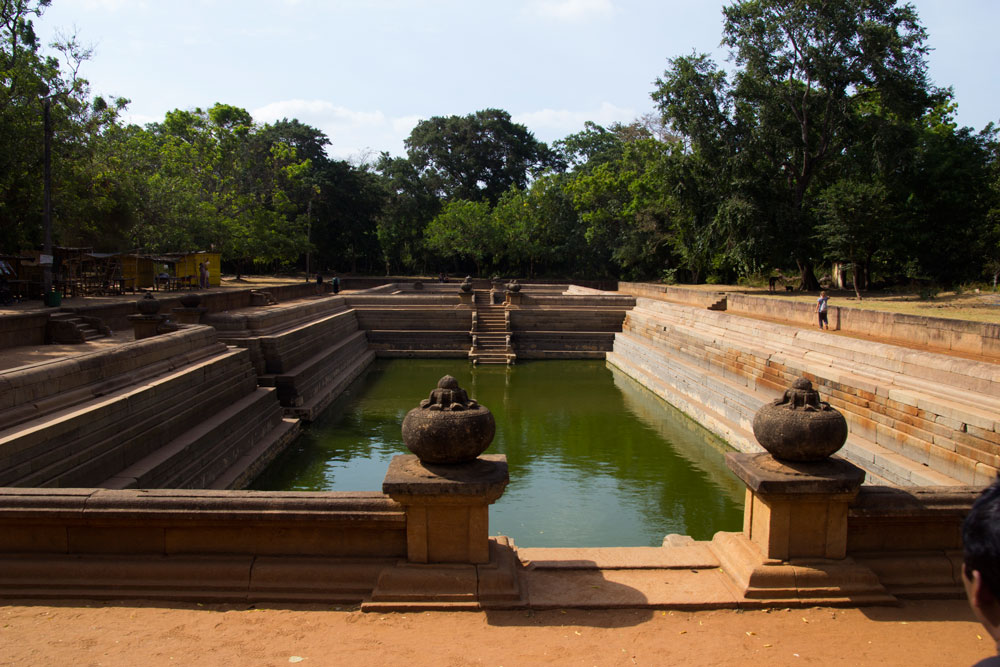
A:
(778, 128)
(825, 143)
(476, 157)
(465, 230)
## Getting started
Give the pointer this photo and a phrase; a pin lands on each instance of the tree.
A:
(476, 157)
(854, 220)
(803, 68)
(409, 203)
(465, 230)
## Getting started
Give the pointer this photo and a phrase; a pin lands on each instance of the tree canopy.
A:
(822, 143)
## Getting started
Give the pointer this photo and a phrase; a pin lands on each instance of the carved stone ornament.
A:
(799, 426)
(466, 285)
(191, 300)
(148, 305)
(514, 286)
(448, 427)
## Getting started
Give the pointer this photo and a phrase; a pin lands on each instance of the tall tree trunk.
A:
(807, 278)
(856, 266)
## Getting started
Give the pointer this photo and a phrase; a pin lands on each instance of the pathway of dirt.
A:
(939, 633)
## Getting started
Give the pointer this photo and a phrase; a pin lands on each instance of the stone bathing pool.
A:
(595, 459)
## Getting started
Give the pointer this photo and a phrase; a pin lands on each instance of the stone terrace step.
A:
(83, 445)
(310, 386)
(186, 461)
(31, 391)
(920, 421)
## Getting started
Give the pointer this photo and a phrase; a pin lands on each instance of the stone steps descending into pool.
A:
(309, 349)
(916, 418)
(128, 410)
(307, 388)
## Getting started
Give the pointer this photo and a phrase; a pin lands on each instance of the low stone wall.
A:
(715, 300)
(911, 538)
(197, 545)
(23, 328)
(936, 333)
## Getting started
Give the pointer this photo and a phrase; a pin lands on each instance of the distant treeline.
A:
(825, 142)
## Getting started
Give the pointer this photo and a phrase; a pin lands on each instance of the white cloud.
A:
(316, 111)
(573, 10)
(353, 134)
(141, 119)
(105, 5)
(551, 124)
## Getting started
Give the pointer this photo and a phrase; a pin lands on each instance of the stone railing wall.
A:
(911, 538)
(23, 328)
(197, 545)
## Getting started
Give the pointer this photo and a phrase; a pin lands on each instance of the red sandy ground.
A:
(140, 634)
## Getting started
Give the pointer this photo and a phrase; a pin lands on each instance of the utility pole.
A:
(309, 223)
(47, 194)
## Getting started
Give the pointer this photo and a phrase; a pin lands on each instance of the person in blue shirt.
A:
(821, 309)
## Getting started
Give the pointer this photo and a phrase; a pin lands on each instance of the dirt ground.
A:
(94, 633)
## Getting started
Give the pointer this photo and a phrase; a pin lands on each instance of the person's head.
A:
(981, 555)
(822, 293)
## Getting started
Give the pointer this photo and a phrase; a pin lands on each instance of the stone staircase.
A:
(491, 333)
(916, 418)
(72, 328)
(309, 350)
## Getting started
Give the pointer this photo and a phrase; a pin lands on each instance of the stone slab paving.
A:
(698, 555)
(685, 577)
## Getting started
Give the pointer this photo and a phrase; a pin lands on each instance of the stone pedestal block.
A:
(495, 584)
(465, 298)
(188, 315)
(514, 298)
(797, 510)
(447, 506)
(794, 541)
(146, 326)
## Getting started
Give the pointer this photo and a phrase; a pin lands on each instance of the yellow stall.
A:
(187, 265)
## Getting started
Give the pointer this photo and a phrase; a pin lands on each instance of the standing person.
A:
(203, 275)
(822, 310)
(981, 566)
(335, 281)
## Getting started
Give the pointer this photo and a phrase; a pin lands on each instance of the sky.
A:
(366, 71)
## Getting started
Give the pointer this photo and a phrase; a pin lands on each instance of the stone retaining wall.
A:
(716, 300)
(916, 418)
(936, 333)
(23, 328)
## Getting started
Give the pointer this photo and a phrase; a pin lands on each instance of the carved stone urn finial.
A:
(148, 305)
(466, 285)
(448, 427)
(799, 426)
(514, 286)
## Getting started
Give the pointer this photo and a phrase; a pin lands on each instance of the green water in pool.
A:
(595, 459)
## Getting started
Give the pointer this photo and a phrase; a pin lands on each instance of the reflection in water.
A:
(595, 459)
